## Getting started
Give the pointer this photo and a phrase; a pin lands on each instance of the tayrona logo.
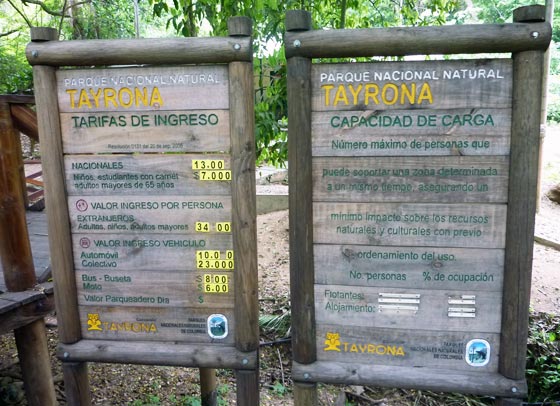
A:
(334, 343)
(95, 323)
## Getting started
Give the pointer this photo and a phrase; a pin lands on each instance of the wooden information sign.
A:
(160, 207)
(400, 252)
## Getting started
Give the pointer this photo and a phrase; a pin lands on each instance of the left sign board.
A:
(148, 177)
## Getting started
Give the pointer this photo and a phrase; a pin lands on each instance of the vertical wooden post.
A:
(15, 250)
(19, 271)
(301, 210)
(244, 220)
(208, 392)
(525, 141)
(549, 17)
(48, 119)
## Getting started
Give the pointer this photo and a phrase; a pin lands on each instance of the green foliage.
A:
(553, 100)
(209, 17)
(543, 357)
(279, 389)
(271, 110)
(15, 72)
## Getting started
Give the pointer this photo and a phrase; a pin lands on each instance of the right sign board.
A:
(410, 165)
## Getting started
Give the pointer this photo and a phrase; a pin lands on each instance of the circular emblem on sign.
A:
(81, 205)
(477, 352)
(85, 242)
(217, 326)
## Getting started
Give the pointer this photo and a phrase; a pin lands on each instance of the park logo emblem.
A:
(477, 353)
(94, 323)
(217, 326)
(332, 342)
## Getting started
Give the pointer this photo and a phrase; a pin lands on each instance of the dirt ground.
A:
(148, 385)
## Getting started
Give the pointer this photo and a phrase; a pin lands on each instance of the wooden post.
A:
(19, 271)
(525, 141)
(244, 220)
(549, 17)
(208, 392)
(301, 209)
(15, 249)
(33, 353)
(76, 379)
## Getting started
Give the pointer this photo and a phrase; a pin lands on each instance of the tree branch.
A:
(20, 13)
(5, 34)
(44, 7)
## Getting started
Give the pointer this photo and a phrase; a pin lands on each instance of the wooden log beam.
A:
(18, 309)
(440, 380)
(155, 353)
(448, 39)
(25, 120)
(17, 99)
(140, 51)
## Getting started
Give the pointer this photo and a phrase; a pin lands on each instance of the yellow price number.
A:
(218, 175)
(216, 283)
(224, 227)
(226, 264)
(202, 227)
(208, 254)
(208, 164)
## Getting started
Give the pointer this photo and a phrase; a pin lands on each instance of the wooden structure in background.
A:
(144, 263)
(381, 212)
(24, 120)
(23, 303)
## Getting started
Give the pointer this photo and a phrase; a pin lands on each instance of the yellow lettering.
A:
(95, 96)
(355, 93)
(386, 88)
(340, 96)
(110, 96)
(408, 93)
(84, 99)
(353, 348)
(141, 96)
(400, 351)
(156, 98)
(123, 100)
(391, 350)
(425, 94)
(371, 92)
(327, 89)
(72, 93)
(153, 328)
